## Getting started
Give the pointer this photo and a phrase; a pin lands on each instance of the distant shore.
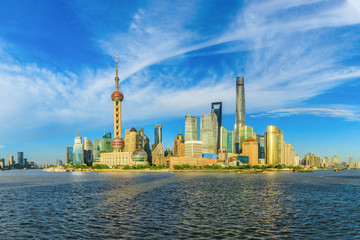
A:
(251, 170)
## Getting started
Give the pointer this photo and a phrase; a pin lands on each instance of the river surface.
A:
(132, 205)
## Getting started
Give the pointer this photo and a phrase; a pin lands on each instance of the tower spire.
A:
(116, 77)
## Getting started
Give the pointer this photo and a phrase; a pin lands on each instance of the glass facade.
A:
(69, 155)
(88, 157)
(190, 128)
(20, 158)
(78, 151)
(208, 133)
(158, 134)
(246, 132)
(217, 108)
(273, 145)
(226, 139)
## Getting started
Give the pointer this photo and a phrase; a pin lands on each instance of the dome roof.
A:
(117, 96)
(139, 155)
(133, 129)
(250, 140)
(180, 136)
(118, 143)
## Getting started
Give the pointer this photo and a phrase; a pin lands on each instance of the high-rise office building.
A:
(158, 134)
(88, 151)
(69, 155)
(226, 139)
(25, 162)
(208, 133)
(11, 161)
(239, 113)
(246, 132)
(217, 108)
(193, 149)
(251, 149)
(326, 162)
(288, 155)
(2, 163)
(335, 160)
(273, 145)
(261, 140)
(179, 146)
(158, 157)
(190, 128)
(78, 151)
(351, 162)
(20, 158)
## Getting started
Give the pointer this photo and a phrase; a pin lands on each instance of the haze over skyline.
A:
(299, 60)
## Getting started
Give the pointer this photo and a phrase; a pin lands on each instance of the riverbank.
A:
(224, 170)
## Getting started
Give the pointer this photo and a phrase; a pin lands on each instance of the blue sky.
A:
(300, 60)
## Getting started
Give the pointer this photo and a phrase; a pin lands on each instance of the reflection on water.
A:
(91, 205)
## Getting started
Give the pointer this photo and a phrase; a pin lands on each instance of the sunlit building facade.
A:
(158, 134)
(334, 160)
(250, 148)
(246, 132)
(158, 156)
(226, 139)
(190, 128)
(78, 151)
(193, 149)
(11, 161)
(209, 132)
(273, 145)
(179, 146)
(239, 113)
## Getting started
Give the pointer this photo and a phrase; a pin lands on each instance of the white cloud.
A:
(2, 146)
(349, 115)
(287, 62)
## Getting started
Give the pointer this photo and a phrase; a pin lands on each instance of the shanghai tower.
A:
(240, 112)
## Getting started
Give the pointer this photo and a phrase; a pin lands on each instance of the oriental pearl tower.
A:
(117, 143)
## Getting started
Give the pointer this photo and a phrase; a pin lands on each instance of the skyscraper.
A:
(69, 155)
(226, 139)
(2, 163)
(20, 158)
(251, 149)
(335, 160)
(239, 113)
(273, 145)
(246, 132)
(158, 134)
(217, 108)
(11, 161)
(190, 128)
(117, 97)
(78, 150)
(179, 146)
(208, 133)
(88, 151)
(351, 162)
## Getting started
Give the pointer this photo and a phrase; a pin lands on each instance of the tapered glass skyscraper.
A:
(239, 113)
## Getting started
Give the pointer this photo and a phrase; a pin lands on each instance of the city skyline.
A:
(305, 89)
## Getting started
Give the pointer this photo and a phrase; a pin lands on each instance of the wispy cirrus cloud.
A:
(288, 51)
(349, 115)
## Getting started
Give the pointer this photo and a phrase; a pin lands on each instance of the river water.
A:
(133, 205)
